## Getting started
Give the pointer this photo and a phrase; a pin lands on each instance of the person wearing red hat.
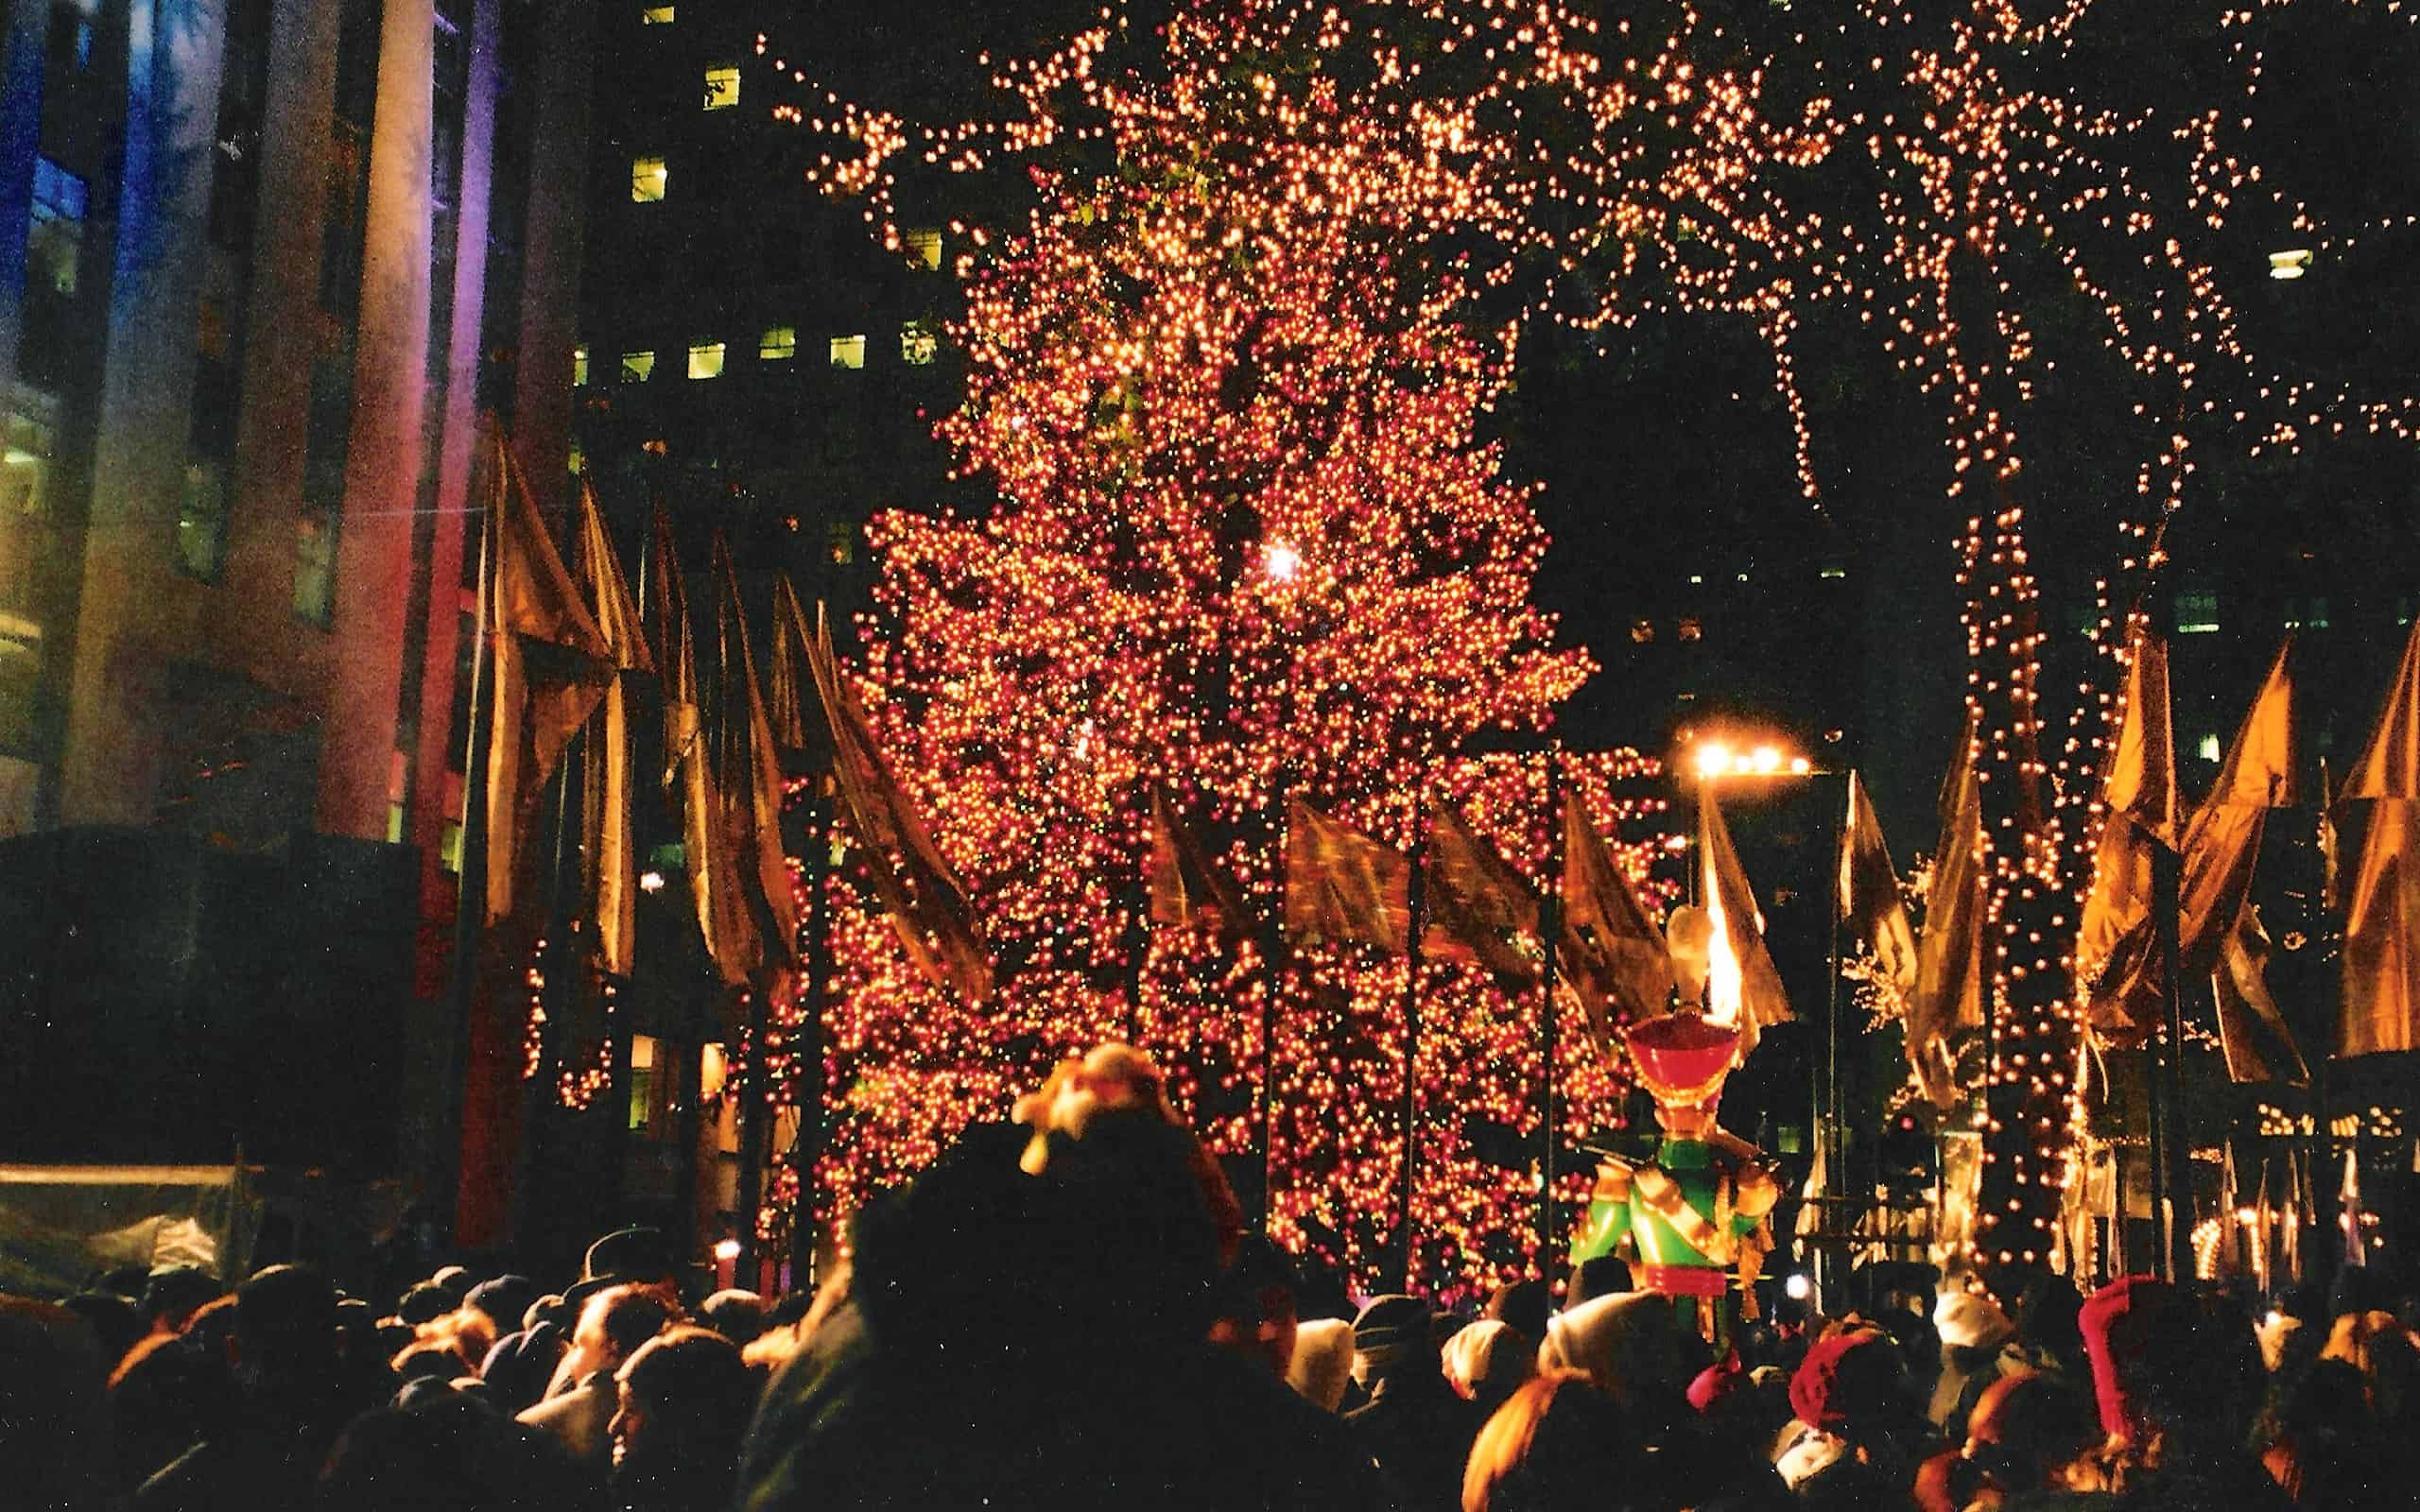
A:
(1853, 1395)
(1694, 1216)
(2175, 1387)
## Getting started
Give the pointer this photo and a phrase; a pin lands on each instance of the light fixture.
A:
(2292, 263)
(650, 881)
(726, 1249)
(1798, 1286)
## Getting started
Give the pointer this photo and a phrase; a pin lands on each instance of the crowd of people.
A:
(1070, 1312)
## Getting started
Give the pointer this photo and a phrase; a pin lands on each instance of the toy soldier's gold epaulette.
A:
(1613, 1181)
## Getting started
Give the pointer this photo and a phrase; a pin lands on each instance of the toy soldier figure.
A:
(1694, 1214)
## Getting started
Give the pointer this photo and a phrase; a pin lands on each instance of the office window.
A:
(706, 360)
(576, 460)
(841, 543)
(848, 352)
(778, 344)
(2307, 614)
(2207, 747)
(650, 1089)
(55, 235)
(637, 367)
(201, 520)
(579, 367)
(2196, 611)
(924, 248)
(655, 15)
(647, 178)
(722, 88)
(918, 342)
(315, 568)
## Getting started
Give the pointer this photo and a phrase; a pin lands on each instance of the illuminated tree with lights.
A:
(1250, 544)
(1988, 198)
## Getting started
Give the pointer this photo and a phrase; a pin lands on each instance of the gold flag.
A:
(2390, 764)
(607, 842)
(2382, 935)
(924, 899)
(1869, 892)
(799, 731)
(1740, 977)
(723, 925)
(1479, 910)
(2138, 793)
(748, 779)
(1949, 957)
(1341, 885)
(550, 663)
(1614, 955)
(1188, 890)
(2251, 1032)
(2222, 848)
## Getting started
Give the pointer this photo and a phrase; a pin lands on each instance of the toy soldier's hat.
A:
(1684, 1056)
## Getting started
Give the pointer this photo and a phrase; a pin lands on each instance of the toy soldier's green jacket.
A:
(1686, 1220)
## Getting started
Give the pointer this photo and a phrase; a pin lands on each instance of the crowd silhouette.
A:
(1069, 1312)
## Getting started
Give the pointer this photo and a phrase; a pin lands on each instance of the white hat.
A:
(1970, 1320)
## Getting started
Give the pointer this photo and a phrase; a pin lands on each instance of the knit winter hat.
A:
(1850, 1375)
(1716, 1382)
(1322, 1362)
(1488, 1359)
(1627, 1344)
(1970, 1320)
(1392, 1328)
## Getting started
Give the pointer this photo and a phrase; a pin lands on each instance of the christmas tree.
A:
(1250, 545)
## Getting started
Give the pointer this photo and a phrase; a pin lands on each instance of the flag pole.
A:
(1268, 1015)
(1414, 897)
(821, 818)
(471, 855)
(1824, 1094)
(1551, 928)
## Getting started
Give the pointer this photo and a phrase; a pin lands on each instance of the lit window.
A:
(841, 543)
(918, 343)
(924, 248)
(315, 568)
(637, 367)
(577, 460)
(1690, 630)
(645, 1101)
(579, 367)
(1642, 631)
(706, 360)
(655, 15)
(2196, 611)
(848, 352)
(778, 344)
(449, 849)
(1836, 572)
(201, 520)
(722, 88)
(2208, 748)
(647, 179)
(2310, 615)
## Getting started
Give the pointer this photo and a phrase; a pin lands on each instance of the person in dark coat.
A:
(1013, 1341)
(291, 1398)
(1414, 1426)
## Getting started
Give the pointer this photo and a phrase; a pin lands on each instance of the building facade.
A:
(263, 265)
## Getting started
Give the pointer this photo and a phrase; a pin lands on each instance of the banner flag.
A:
(1870, 906)
(1342, 885)
(551, 666)
(748, 779)
(607, 842)
(1188, 890)
(1479, 910)
(2138, 793)
(1949, 957)
(924, 897)
(2252, 1033)
(2222, 848)
(1614, 955)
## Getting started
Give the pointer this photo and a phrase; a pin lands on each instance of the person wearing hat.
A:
(2175, 1388)
(1414, 1426)
(1975, 1335)
(1851, 1392)
(613, 1326)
